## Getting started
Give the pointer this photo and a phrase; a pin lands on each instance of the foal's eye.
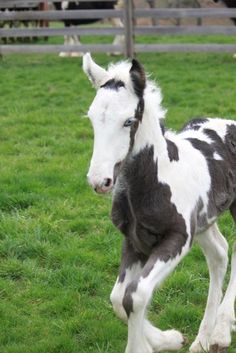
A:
(129, 122)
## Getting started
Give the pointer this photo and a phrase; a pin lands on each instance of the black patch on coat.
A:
(202, 146)
(216, 139)
(129, 257)
(142, 209)
(194, 124)
(127, 300)
(230, 138)
(222, 172)
(199, 219)
(113, 84)
(172, 149)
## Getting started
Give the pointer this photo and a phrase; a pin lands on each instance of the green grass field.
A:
(59, 252)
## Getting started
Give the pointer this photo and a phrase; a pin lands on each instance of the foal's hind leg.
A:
(215, 249)
(225, 322)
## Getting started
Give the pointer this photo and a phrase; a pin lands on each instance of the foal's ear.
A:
(95, 73)
(138, 77)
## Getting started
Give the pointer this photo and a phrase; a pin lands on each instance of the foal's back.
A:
(216, 140)
(207, 156)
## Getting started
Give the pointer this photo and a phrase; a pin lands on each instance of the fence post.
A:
(129, 28)
(199, 20)
(178, 22)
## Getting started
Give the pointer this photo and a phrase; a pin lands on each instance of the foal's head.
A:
(115, 114)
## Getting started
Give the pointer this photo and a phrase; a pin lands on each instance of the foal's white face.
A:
(112, 114)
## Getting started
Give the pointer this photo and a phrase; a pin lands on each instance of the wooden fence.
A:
(128, 15)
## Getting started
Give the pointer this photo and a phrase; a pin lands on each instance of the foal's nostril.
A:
(107, 182)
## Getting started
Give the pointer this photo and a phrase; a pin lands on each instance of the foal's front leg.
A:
(142, 337)
(130, 269)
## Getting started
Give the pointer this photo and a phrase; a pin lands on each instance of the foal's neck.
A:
(150, 133)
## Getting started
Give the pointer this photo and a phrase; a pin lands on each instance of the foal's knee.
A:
(215, 248)
(222, 257)
(116, 298)
(136, 297)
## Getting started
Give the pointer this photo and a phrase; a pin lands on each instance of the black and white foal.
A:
(169, 190)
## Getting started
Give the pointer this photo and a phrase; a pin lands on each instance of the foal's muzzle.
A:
(105, 187)
(101, 187)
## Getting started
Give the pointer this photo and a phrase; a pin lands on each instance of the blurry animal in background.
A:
(90, 5)
(230, 4)
(34, 6)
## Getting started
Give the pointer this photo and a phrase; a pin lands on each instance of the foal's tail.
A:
(233, 210)
(233, 268)
(232, 283)
(232, 280)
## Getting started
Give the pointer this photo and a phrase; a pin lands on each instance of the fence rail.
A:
(59, 15)
(186, 13)
(16, 3)
(25, 3)
(108, 48)
(101, 14)
(127, 14)
(46, 32)
(96, 48)
(155, 30)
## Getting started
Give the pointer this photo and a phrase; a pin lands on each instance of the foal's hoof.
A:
(198, 347)
(215, 348)
(185, 341)
(174, 340)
